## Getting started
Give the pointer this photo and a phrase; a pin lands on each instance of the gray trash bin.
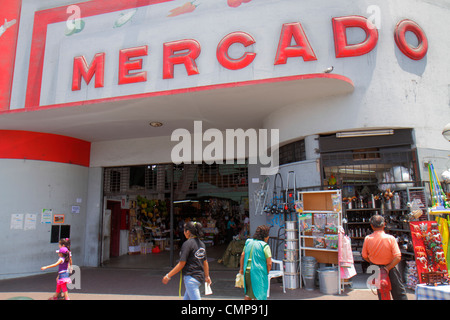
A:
(328, 280)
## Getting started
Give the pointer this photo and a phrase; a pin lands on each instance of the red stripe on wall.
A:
(9, 20)
(28, 145)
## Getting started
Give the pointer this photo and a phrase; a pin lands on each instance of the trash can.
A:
(309, 266)
(328, 280)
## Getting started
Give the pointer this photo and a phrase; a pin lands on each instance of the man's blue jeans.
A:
(192, 288)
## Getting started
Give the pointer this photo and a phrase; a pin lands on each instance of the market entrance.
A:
(152, 196)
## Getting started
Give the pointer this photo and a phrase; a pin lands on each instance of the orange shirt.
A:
(380, 248)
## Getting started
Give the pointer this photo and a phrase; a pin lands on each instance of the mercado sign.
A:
(101, 50)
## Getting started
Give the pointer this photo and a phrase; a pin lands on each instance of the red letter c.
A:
(222, 51)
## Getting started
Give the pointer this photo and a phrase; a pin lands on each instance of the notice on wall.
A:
(47, 216)
(16, 221)
(76, 209)
(30, 221)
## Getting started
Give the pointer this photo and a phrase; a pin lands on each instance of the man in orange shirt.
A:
(382, 250)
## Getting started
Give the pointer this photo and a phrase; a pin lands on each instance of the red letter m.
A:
(81, 69)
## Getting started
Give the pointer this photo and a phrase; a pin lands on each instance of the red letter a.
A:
(302, 49)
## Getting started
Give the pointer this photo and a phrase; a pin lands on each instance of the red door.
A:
(114, 206)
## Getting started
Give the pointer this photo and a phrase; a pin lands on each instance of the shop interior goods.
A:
(149, 222)
(398, 207)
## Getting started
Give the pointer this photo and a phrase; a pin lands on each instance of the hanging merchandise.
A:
(276, 206)
(305, 222)
(443, 229)
(345, 255)
(331, 241)
(318, 239)
(332, 223)
(438, 196)
(260, 196)
(320, 220)
(290, 198)
(430, 258)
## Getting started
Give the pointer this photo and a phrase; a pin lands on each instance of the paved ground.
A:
(138, 277)
(142, 284)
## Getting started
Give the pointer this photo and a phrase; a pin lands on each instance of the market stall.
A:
(150, 222)
(430, 239)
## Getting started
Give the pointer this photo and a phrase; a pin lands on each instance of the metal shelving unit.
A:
(320, 202)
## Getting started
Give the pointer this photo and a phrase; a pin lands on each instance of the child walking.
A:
(65, 242)
(63, 274)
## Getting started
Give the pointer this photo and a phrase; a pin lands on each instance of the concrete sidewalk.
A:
(145, 284)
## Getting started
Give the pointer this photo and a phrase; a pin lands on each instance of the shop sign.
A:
(161, 56)
(186, 51)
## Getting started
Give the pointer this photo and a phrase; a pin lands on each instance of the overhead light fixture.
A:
(156, 124)
(364, 133)
(446, 132)
(355, 171)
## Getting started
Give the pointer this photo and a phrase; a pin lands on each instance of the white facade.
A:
(380, 89)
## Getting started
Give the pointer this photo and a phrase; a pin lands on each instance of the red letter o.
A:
(418, 52)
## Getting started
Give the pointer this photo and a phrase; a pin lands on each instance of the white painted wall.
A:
(391, 90)
(93, 223)
(28, 186)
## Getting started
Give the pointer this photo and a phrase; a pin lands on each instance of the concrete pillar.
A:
(312, 147)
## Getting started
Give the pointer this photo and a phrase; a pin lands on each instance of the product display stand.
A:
(291, 256)
(319, 218)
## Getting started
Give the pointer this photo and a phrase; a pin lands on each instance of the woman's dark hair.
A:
(261, 232)
(195, 228)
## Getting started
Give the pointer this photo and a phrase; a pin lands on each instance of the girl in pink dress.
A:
(63, 273)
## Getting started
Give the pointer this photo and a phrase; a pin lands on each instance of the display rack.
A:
(396, 211)
(313, 233)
